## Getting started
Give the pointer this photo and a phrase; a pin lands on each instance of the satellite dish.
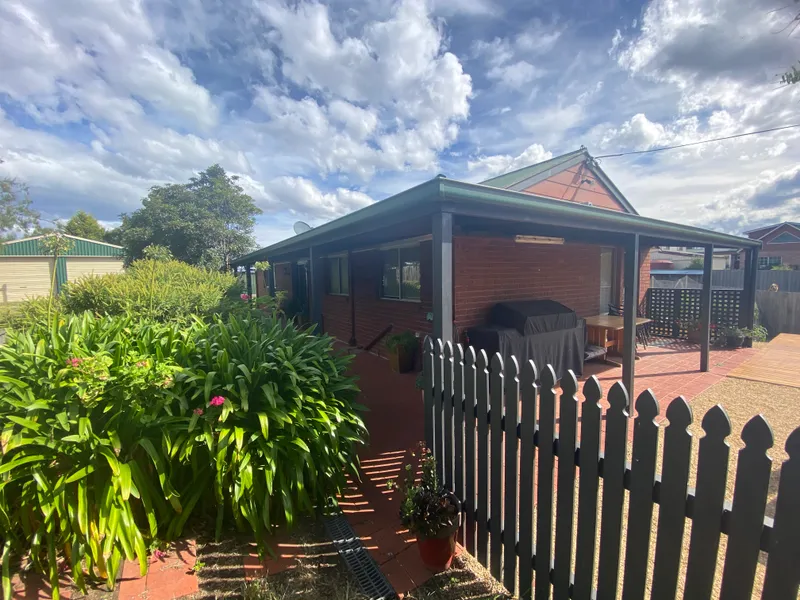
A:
(301, 227)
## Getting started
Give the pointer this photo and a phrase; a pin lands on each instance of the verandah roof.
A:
(477, 200)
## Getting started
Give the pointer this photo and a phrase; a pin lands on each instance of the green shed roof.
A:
(80, 247)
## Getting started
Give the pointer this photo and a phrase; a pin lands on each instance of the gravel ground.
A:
(465, 580)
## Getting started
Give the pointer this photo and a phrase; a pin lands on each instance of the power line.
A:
(722, 139)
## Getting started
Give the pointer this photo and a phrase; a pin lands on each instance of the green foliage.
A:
(791, 76)
(428, 509)
(781, 268)
(696, 264)
(405, 339)
(207, 221)
(285, 432)
(85, 407)
(27, 313)
(84, 225)
(116, 431)
(16, 213)
(157, 288)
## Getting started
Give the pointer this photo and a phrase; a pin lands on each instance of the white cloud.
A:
(488, 166)
(303, 198)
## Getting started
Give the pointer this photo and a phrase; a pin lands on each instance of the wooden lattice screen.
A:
(668, 308)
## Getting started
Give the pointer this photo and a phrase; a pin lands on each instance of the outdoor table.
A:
(606, 331)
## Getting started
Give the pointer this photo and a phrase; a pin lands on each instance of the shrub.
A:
(86, 402)
(279, 423)
(160, 289)
(26, 313)
(115, 431)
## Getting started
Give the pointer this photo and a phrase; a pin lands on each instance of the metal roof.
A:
(80, 247)
(462, 198)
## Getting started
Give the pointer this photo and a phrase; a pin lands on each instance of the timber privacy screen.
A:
(519, 522)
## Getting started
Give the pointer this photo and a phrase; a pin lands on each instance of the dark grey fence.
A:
(671, 309)
(787, 281)
(507, 444)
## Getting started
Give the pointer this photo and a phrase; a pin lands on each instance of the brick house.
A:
(780, 245)
(435, 258)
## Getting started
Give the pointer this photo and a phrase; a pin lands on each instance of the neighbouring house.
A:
(780, 245)
(685, 258)
(436, 258)
(26, 268)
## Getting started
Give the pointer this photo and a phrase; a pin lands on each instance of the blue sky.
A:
(324, 108)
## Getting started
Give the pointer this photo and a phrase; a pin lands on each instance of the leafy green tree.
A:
(208, 221)
(696, 264)
(16, 212)
(84, 225)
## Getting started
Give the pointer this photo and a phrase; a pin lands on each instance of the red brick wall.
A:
(490, 270)
(644, 275)
(283, 278)
(373, 313)
(789, 252)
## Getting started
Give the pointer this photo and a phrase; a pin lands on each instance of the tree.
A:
(16, 214)
(84, 225)
(696, 264)
(208, 221)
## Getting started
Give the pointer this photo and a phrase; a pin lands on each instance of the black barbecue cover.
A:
(563, 349)
(533, 316)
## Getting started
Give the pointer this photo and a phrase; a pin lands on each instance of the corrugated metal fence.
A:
(508, 445)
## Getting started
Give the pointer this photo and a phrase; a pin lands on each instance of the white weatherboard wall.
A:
(23, 277)
(78, 267)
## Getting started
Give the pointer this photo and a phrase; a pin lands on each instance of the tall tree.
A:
(84, 225)
(16, 214)
(208, 221)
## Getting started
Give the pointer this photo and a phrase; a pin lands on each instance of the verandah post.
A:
(442, 226)
(631, 282)
(705, 308)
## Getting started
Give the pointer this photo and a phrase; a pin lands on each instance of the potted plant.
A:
(734, 336)
(432, 513)
(402, 351)
(692, 327)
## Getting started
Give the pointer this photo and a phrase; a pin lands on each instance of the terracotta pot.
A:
(437, 553)
(401, 359)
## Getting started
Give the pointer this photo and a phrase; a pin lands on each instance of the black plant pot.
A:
(734, 341)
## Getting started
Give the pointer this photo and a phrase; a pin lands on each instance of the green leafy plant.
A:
(277, 416)
(427, 509)
(116, 430)
(406, 339)
(85, 409)
(157, 288)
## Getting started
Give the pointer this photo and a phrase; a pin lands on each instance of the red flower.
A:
(245, 297)
(198, 411)
(217, 401)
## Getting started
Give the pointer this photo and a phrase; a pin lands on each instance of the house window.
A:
(767, 262)
(401, 274)
(338, 276)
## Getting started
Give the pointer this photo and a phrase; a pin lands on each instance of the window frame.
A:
(343, 275)
(396, 250)
(767, 265)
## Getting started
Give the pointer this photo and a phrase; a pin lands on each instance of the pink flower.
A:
(217, 401)
(198, 411)
(245, 297)
(141, 363)
(74, 362)
(159, 554)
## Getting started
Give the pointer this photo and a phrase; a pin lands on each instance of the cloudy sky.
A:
(324, 108)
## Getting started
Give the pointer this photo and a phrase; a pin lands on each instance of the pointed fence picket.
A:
(508, 444)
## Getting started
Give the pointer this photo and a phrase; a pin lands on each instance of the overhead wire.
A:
(720, 139)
